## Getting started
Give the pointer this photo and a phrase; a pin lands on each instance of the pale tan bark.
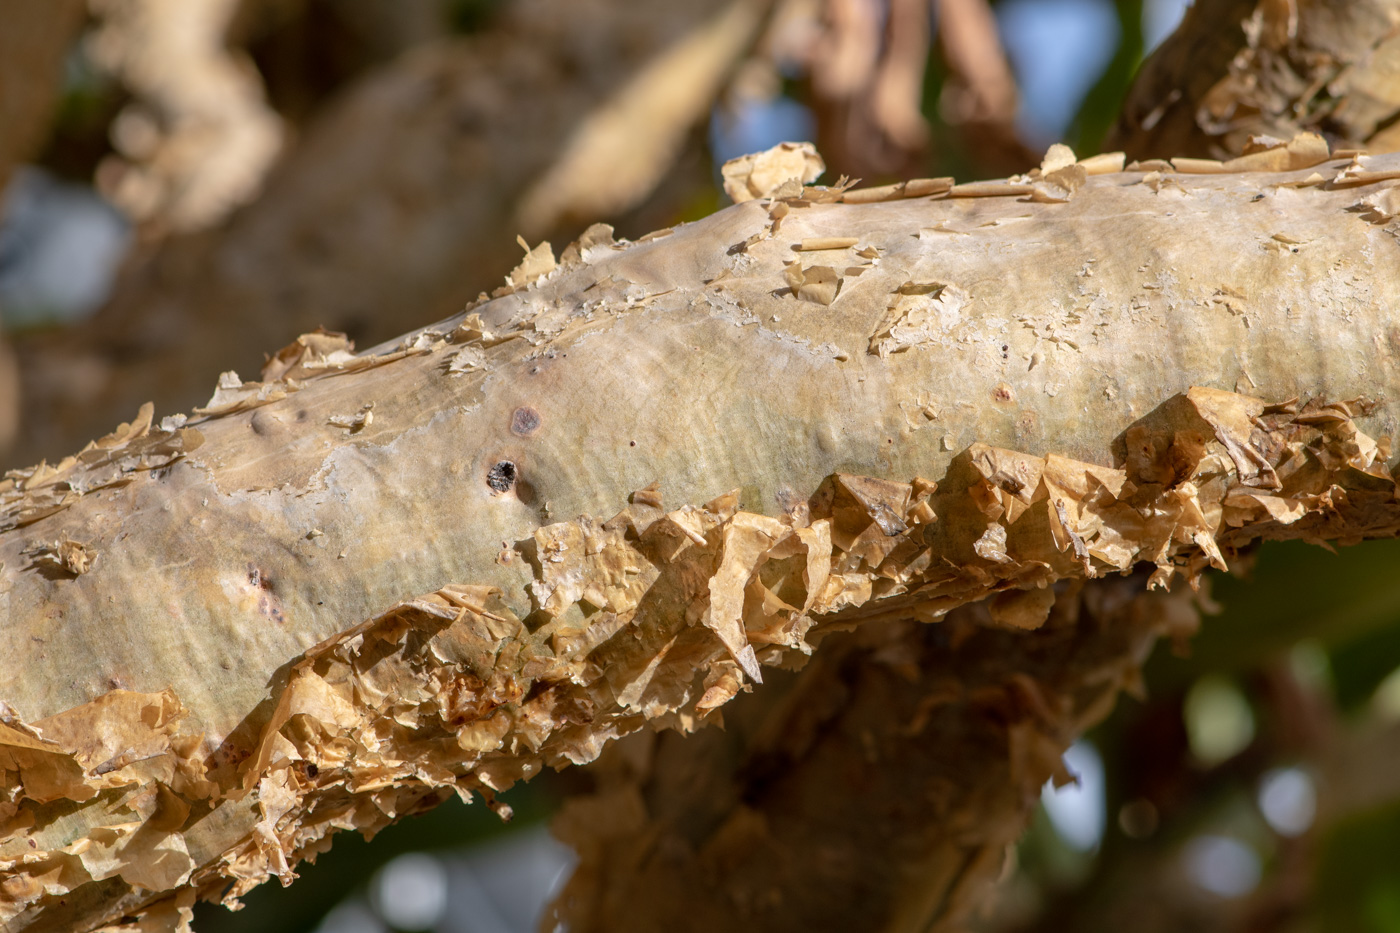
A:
(221, 647)
(1239, 68)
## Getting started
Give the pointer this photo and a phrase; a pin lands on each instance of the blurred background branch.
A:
(33, 44)
(1242, 68)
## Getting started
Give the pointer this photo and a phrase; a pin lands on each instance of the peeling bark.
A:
(881, 791)
(1240, 68)
(221, 653)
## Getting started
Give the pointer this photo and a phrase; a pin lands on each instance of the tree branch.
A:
(217, 654)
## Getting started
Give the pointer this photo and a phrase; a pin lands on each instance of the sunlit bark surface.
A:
(608, 498)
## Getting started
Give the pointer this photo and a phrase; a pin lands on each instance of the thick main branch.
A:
(220, 648)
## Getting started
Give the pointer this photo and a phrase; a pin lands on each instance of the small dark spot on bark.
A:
(632, 443)
(525, 421)
(1005, 349)
(1027, 423)
(268, 603)
(501, 476)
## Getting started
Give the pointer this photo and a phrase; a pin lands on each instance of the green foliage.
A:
(1102, 103)
(469, 16)
(1357, 885)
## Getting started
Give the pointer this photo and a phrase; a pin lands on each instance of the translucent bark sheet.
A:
(221, 651)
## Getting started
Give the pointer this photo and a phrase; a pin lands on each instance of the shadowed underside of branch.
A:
(880, 791)
(220, 651)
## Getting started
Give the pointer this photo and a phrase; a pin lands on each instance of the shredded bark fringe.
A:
(654, 618)
(852, 763)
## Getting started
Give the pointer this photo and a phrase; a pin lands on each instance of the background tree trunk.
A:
(1239, 68)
